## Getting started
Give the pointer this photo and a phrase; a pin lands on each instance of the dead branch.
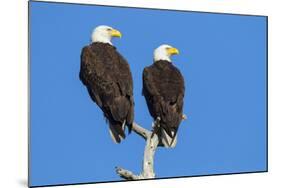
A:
(152, 141)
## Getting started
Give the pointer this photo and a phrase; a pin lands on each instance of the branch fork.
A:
(152, 141)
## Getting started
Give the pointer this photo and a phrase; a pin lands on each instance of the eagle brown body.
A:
(163, 88)
(108, 78)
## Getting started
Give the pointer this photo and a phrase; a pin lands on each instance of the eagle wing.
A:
(88, 72)
(164, 93)
(107, 76)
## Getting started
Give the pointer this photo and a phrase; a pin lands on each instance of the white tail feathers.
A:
(166, 140)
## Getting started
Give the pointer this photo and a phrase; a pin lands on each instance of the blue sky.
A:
(222, 58)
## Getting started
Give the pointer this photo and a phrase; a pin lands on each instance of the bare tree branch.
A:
(126, 174)
(148, 158)
(141, 131)
(152, 141)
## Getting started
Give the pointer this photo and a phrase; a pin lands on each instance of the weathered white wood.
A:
(126, 174)
(148, 159)
(152, 141)
(141, 131)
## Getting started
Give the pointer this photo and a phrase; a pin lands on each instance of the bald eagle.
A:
(163, 89)
(108, 79)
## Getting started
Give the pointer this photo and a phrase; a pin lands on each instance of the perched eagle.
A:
(163, 89)
(108, 78)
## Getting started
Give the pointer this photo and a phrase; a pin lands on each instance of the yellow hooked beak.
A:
(173, 51)
(115, 33)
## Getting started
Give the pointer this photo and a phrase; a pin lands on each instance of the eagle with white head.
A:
(163, 89)
(108, 79)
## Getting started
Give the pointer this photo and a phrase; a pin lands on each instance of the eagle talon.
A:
(157, 121)
(156, 125)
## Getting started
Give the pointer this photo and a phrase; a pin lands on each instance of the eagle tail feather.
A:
(117, 132)
(167, 140)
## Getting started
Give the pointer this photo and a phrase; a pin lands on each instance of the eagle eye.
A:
(108, 29)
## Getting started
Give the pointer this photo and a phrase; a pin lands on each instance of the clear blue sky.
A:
(222, 58)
